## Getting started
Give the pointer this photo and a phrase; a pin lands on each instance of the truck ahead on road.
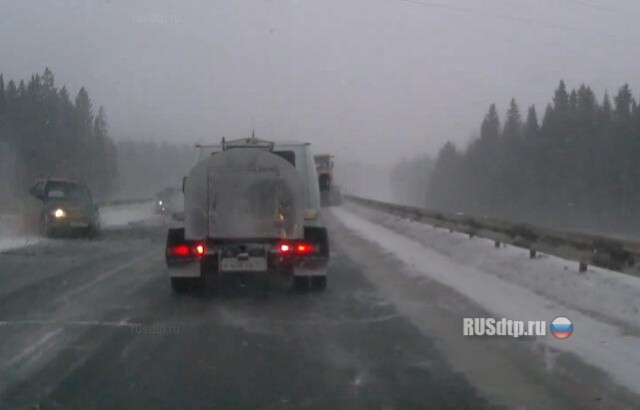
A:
(251, 208)
(329, 191)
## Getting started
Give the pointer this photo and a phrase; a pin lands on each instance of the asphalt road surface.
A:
(93, 324)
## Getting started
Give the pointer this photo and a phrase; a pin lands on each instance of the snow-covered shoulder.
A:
(12, 234)
(603, 305)
(123, 215)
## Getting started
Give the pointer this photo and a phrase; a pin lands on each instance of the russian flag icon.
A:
(561, 327)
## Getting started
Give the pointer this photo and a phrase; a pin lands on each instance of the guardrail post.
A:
(582, 267)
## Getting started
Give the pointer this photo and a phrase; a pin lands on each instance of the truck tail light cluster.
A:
(303, 248)
(186, 251)
(180, 250)
(298, 248)
(285, 248)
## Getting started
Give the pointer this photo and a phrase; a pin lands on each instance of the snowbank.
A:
(14, 242)
(608, 294)
(12, 235)
(602, 304)
(122, 215)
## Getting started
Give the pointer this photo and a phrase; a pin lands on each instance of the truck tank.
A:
(244, 193)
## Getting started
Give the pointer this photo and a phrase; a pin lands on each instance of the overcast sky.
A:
(365, 79)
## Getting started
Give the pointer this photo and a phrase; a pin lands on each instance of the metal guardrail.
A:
(587, 249)
(116, 202)
(15, 207)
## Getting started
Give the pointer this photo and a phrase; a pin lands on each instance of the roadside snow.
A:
(122, 215)
(608, 295)
(9, 243)
(505, 282)
(12, 235)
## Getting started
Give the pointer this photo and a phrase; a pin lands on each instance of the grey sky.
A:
(366, 79)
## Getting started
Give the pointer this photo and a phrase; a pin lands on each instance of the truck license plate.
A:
(254, 264)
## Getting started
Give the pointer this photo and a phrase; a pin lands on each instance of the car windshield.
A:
(320, 204)
(67, 191)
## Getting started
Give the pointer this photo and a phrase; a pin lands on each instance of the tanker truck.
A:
(251, 210)
(329, 191)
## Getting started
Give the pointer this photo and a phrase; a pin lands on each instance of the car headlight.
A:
(160, 203)
(59, 213)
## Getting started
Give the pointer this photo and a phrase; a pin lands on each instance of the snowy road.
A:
(93, 324)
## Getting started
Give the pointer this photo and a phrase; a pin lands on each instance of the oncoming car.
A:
(169, 201)
(62, 206)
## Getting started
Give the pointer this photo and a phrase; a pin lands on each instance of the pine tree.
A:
(622, 176)
(490, 129)
(509, 180)
(2, 97)
(52, 136)
(530, 162)
(66, 151)
(443, 191)
(102, 171)
(579, 166)
(83, 138)
(83, 113)
(623, 102)
(48, 81)
(4, 129)
(561, 100)
(513, 124)
(531, 128)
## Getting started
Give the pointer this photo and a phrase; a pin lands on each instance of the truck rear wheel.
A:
(318, 283)
(209, 275)
(181, 285)
(300, 283)
(313, 283)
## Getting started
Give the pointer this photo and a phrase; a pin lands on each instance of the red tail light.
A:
(304, 248)
(186, 251)
(299, 248)
(180, 250)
